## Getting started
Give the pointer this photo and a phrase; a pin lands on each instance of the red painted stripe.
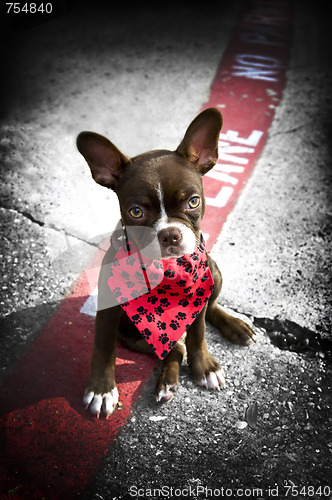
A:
(247, 89)
(50, 445)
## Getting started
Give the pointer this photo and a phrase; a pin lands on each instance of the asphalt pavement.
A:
(139, 76)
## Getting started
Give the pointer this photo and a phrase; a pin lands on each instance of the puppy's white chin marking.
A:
(169, 254)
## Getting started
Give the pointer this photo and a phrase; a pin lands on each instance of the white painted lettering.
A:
(222, 177)
(226, 153)
(227, 148)
(260, 39)
(228, 169)
(256, 67)
(265, 20)
(233, 136)
(230, 145)
(235, 159)
(222, 197)
(264, 35)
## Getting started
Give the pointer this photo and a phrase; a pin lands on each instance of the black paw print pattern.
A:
(139, 277)
(150, 318)
(154, 278)
(136, 319)
(181, 283)
(136, 293)
(163, 313)
(130, 260)
(159, 310)
(204, 278)
(117, 291)
(124, 301)
(152, 299)
(163, 338)
(171, 344)
(165, 302)
(197, 302)
(142, 310)
(195, 314)
(125, 276)
(169, 273)
(146, 333)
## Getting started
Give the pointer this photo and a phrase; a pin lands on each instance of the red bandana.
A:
(161, 297)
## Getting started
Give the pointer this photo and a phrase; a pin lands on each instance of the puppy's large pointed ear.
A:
(200, 143)
(106, 162)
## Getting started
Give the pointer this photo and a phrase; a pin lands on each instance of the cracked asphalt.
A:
(139, 77)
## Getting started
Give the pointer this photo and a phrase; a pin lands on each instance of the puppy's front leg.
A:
(168, 381)
(205, 369)
(101, 392)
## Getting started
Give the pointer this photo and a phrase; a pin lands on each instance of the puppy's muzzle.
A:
(170, 240)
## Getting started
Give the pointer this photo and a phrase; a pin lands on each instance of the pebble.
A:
(241, 425)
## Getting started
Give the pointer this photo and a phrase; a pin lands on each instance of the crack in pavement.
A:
(34, 220)
(291, 130)
(31, 217)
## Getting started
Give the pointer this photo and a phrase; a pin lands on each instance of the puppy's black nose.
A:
(170, 237)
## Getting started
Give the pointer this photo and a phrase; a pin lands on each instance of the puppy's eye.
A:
(136, 213)
(194, 202)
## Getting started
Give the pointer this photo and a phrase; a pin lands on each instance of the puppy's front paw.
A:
(213, 380)
(166, 393)
(167, 386)
(239, 332)
(207, 371)
(97, 403)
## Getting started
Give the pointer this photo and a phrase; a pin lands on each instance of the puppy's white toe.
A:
(101, 402)
(96, 404)
(221, 378)
(214, 380)
(166, 394)
(110, 400)
(203, 383)
(88, 397)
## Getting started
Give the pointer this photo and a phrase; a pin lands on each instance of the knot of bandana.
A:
(161, 297)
